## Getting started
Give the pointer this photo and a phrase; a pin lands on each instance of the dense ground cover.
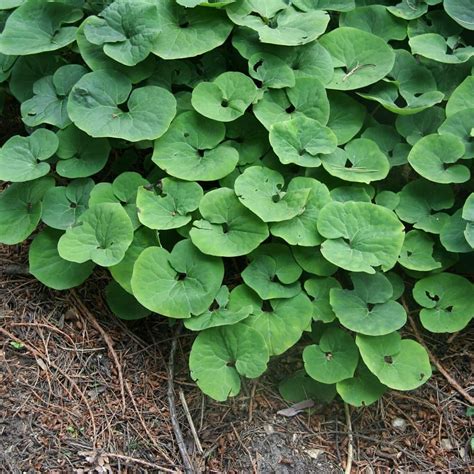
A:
(268, 174)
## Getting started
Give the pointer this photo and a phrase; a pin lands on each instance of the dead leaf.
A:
(296, 408)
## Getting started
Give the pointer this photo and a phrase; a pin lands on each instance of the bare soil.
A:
(63, 407)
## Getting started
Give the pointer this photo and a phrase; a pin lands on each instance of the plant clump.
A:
(273, 173)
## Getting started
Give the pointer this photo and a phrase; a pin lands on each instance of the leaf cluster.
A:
(272, 173)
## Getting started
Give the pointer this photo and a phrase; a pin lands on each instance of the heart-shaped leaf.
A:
(318, 290)
(227, 229)
(301, 386)
(193, 149)
(123, 304)
(37, 26)
(63, 205)
(49, 102)
(103, 234)
(219, 357)
(169, 204)
(433, 157)
(21, 208)
(301, 141)
(102, 104)
(401, 364)
(127, 30)
(360, 58)
(226, 98)
(260, 189)
(23, 158)
(360, 236)
(49, 268)
(80, 155)
(179, 283)
(334, 359)
(447, 300)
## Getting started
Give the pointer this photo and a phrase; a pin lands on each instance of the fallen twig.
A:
(133, 460)
(350, 447)
(188, 467)
(239, 439)
(108, 341)
(190, 421)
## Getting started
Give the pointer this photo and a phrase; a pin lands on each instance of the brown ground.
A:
(62, 408)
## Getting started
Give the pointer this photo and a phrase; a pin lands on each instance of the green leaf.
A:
(359, 58)
(307, 98)
(122, 272)
(301, 141)
(123, 304)
(408, 9)
(361, 161)
(23, 158)
(278, 22)
(468, 215)
(418, 200)
(318, 290)
(79, 154)
(417, 252)
(281, 322)
(27, 70)
(123, 191)
(360, 236)
(179, 283)
(103, 234)
(461, 12)
(102, 104)
(414, 127)
(312, 261)
(435, 47)
(127, 30)
(169, 204)
(193, 149)
(227, 229)
(302, 229)
(271, 71)
(454, 234)
(460, 125)
(189, 32)
(334, 359)
(49, 268)
(361, 390)
(219, 314)
(94, 56)
(219, 357)
(433, 156)
(377, 20)
(364, 317)
(346, 116)
(49, 102)
(37, 26)
(260, 189)
(226, 98)
(63, 205)
(401, 364)
(462, 97)
(300, 387)
(21, 208)
(447, 302)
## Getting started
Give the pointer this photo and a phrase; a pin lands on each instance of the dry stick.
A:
(138, 461)
(14, 269)
(436, 361)
(190, 421)
(108, 341)
(188, 467)
(144, 425)
(64, 374)
(350, 447)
